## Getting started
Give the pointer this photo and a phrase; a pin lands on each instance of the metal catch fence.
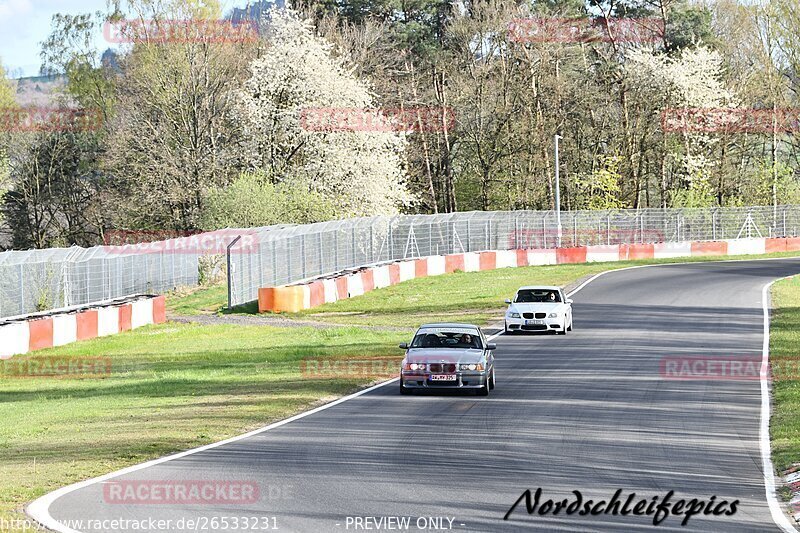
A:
(41, 280)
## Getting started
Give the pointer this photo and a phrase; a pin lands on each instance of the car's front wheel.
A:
(484, 391)
(491, 381)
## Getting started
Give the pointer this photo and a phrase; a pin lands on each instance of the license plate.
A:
(534, 322)
(443, 377)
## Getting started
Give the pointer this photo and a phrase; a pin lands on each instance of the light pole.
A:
(558, 195)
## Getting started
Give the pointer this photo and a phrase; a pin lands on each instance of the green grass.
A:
(171, 387)
(785, 353)
(204, 301)
(475, 297)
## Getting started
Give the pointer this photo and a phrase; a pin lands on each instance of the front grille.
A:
(534, 315)
(447, 368)
(538, 327)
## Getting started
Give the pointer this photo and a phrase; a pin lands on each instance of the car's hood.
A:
(443, 355)
(537, 307)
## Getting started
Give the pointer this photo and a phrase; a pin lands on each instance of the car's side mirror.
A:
(403, 345)
(508, 300)
(569, 300)
(491, 346)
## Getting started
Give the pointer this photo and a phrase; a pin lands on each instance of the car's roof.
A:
(449, 325)
(540, 287)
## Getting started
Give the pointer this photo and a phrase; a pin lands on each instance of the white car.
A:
(539, 308)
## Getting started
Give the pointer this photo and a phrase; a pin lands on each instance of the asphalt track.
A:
(589, 411)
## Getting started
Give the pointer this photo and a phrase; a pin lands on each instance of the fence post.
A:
(289, 261)
(336, 251)
(230, 270)
(608, 229)
(303, 257)
(391, 241)
(575, 230)
(353, 262)
(784, 222)
(372, 244)
(321, 255)
(21, 289)
(544, 231)
(713, 224)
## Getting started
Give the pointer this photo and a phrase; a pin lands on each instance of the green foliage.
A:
(782, 176)
(7, 98)
(51, 199)
(253, 200)
(601, 189)
(70, 50)
(688, 25)
(698, 194)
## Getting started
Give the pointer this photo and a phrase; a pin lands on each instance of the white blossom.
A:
(364, 171)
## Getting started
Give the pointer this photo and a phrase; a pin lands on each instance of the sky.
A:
(24, 24)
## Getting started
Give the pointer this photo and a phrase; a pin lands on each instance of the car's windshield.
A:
(537, 296)
(446, 339)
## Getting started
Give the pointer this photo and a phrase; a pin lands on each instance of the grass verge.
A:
(475, 297)
(784, 349)
(171, 387)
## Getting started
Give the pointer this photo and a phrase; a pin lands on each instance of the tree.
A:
(600, 190)
(693, 79)
(174, 134)
(55, 185)
(298, 82)
(254, 200)
(69, 51)
(7, 101)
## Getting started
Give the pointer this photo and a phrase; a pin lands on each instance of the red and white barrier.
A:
(602, 253)
(667, 250)
(297, 298)
(746, 246)
(37, 332)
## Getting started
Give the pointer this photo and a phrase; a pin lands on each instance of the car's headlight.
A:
(553, 315)
(513, 315)
(472, 366)
(414, 366)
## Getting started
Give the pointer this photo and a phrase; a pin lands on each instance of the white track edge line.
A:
(39, 509)
(778, 516)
